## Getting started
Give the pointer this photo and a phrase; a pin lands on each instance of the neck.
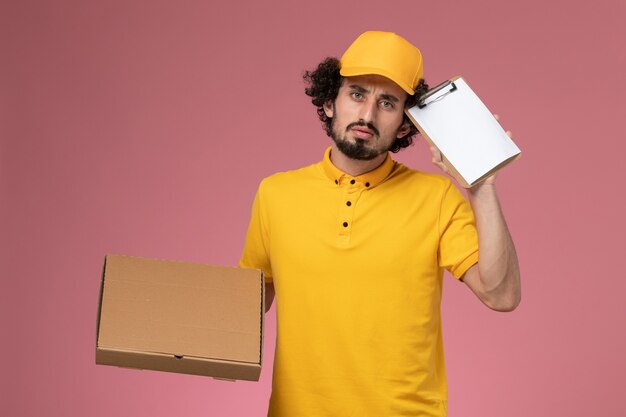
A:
(354, 167)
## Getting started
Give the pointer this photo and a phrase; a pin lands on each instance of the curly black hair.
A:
(323, 85)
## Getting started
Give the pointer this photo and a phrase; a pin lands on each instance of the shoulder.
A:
(285, 180)
(425, 181)
(434, 190)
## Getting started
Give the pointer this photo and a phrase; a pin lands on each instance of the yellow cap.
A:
(386, 54)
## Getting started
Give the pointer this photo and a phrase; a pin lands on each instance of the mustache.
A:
(363, 124)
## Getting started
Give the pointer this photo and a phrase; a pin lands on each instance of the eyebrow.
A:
(390, 97)
(384, 96)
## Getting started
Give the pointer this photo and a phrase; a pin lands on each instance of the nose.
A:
(368, 111)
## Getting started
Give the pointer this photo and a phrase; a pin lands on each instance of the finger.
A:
(509, 134)
(439, 163)
(436, 154)
(496, 116)
(443, 168)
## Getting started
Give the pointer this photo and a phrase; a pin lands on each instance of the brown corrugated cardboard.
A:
(181, 317)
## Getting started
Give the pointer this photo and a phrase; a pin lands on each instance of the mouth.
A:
(362, 132)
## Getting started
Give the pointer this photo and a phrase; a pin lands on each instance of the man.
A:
(355, 246)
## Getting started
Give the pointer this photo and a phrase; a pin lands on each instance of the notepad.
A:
(472, 143)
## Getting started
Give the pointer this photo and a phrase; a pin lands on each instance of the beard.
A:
(357, 149)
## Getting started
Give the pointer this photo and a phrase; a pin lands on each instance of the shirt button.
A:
(336, 181)
(352, 181)
(348, 203)
(345, 224)
(367, 184)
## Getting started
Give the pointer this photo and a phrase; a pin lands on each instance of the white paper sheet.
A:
(465, 131)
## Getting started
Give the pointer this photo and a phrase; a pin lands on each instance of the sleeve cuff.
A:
(465, 265)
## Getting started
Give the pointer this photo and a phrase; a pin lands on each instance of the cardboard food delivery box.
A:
(181, 317)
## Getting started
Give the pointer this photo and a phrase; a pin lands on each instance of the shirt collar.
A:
(369, 179)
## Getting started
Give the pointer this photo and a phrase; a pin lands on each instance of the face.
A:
(367, 116)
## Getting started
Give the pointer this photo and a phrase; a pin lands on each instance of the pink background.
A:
(144, 127)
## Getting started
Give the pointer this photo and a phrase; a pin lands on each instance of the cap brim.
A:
(355, 71)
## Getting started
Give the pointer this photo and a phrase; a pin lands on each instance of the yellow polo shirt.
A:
(357, 265)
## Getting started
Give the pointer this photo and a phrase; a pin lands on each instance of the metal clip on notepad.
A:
(433, 95)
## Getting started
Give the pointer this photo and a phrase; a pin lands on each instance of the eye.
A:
(356, 95)
(386, 104)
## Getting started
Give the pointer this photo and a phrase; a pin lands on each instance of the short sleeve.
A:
(256, 251)
(458, 242)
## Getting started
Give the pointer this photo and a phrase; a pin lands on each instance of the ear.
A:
(329, 109)
(404, 129)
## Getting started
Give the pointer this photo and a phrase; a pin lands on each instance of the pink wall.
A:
(143, 127)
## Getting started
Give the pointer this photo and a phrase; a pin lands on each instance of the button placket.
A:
(350, 196)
